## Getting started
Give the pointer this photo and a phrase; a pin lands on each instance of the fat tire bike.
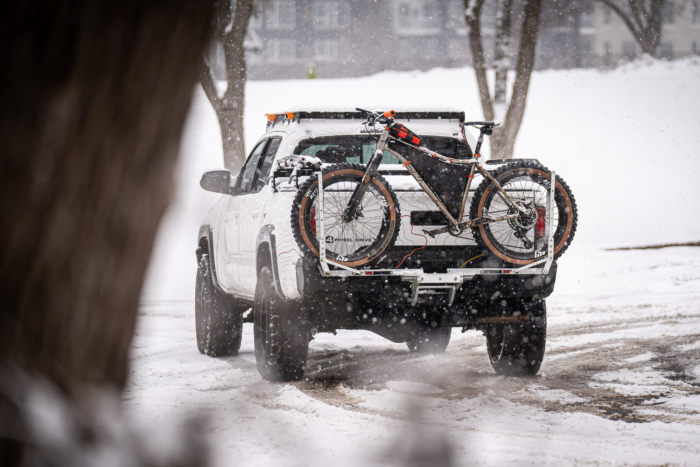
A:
(508, 215)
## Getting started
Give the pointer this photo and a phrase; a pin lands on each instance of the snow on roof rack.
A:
(273, 119)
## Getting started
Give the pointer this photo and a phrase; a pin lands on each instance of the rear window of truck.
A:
(358, 149)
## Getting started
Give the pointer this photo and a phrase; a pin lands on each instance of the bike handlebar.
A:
(373, 117)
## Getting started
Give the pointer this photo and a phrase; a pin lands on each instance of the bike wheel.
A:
(523, 240)
(355, 243)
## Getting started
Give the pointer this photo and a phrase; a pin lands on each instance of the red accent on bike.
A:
(402, 134)
(541, 217)
(313, 220)
(470, 176)
(407, 163)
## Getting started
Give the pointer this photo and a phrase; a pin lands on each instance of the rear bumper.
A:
(483, 293)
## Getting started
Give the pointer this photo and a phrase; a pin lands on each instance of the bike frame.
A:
(454, 225)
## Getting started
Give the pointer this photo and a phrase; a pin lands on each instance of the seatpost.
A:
(479, 141)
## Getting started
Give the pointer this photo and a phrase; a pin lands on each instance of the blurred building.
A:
(608, 41)
(349, 38)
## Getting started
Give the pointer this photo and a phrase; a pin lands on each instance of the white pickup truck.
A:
(248, 257)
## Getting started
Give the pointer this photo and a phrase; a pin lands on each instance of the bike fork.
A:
(353, 209)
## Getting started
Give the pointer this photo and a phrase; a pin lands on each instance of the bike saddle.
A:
(492, 124)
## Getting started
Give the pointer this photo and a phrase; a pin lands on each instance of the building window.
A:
(587, 15)
(281, 14)
(456, 16)
(327, 50)
(458, 49)
(281, 50)
(696, 47)
(331, 14)
(629, 50)
(256, 19)
(416, 17)
(420, 49)
(667, 13)
(607, 53)
(666, 50)
(607, 15)
(696, 12)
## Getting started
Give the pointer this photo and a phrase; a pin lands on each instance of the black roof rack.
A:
(410, 115)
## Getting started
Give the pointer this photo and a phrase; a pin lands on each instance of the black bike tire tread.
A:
(507, 168)
(296, 204)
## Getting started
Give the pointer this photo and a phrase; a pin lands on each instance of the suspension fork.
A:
(353, 209)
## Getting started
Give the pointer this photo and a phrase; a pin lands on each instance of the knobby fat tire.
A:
(564, 231)
(304, 200)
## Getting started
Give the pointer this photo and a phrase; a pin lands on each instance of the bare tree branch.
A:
(628, 22)
(207, 81)
(232, 28)
(645, 25)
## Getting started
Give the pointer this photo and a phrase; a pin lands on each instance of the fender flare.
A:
(267, 236)
(205, 233)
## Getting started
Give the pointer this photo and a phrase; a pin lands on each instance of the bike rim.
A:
(525, 186)
(359, 241)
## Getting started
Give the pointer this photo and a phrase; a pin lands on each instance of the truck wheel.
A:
(280, 333)
(218, 321)
(430, 341)
(517, 349)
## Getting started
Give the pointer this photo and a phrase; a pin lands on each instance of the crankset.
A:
(468, 224)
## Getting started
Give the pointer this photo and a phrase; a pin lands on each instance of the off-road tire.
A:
(430, 340)
(517, 349)
(304, 202)
(563, 198)
(218, 321)
(281, 333)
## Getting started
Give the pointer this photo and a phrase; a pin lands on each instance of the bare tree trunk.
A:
(503, 139)
(93, 99)
(473, 10)
(501, 65)
(232, 27)
(501, 58)
(523, 71)
(643, 20)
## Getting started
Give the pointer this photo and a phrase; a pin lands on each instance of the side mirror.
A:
(218, 181)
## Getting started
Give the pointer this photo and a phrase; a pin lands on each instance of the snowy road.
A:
(620, 384)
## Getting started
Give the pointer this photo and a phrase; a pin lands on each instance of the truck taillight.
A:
(541, 217)
(313, 221)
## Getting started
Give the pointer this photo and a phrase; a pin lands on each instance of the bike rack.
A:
(452, 280)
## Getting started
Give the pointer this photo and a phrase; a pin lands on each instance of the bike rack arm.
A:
(550, 237)
(321, 228)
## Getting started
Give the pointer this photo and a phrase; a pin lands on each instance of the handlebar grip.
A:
(389, 114)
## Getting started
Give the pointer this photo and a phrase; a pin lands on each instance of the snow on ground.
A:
(620, 383)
